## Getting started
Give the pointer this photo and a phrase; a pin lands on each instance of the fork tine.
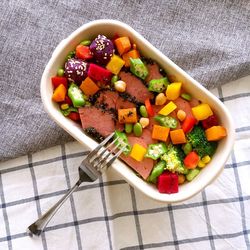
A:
(106, 148)
(107, 164)
(100, 160)
(93, 152)
(115, 156)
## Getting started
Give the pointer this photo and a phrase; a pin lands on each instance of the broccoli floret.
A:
(174, 159)
(200, 143)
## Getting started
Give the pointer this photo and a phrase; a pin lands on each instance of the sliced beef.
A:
(121, 103)
(94, 117)
(135, 87)
(108, 97)
(153, 72)
(143, 167)
(112, 100)
(183, 105)
(194, 102)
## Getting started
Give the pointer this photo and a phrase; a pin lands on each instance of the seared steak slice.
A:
(153, 72)
(109, 98)
(135, 87)
(122, 103)
(143, 167)
(95, 117)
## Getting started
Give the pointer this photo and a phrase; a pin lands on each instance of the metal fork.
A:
(90, 169)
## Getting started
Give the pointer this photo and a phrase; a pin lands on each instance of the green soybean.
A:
(86, 42)
(192, 174)
(143, 111)
(115, 78)
(137, 129)
(186, 96)
(60, 72)
(128, 128)
(70, 55)
(187, 148)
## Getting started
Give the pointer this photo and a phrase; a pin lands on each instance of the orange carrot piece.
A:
(59, 93)
(127, 115)
(177, 136)
(131, 54)
(215, 133)
(123, 44)
(89, 87)
(160, 133)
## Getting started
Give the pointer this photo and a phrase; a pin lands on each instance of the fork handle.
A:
(39, 225)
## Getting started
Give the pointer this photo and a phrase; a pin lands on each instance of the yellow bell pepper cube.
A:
(167, 109)
(173, 90)
(115, 64)
(202, 111)
(138, 152)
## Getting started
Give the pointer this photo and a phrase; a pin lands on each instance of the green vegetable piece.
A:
(155, 151)
(187, 148)
(166, 121)
(199, 142)
(70, 55)
(186, 96)
(86, 42)
(128, 128)
(67, 111)
(192, 174)
(137, 129)
(138, 68)
(174, 159)
(157, 170)
(143, 111)
(114, 79)
(158, 85)
(122, 141)
(60, 72)
(76, 96)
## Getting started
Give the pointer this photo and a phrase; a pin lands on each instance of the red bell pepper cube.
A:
(83, 52)
(210, 122)
(57, 80)
(191, 160)
(188, 124)
(99, 74)
(74, 116)
(67, 100)
(168, 183)
(149, 107)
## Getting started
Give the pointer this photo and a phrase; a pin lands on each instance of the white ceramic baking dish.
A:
(108, 28)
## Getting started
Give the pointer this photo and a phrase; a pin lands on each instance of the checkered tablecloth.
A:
(110, 214)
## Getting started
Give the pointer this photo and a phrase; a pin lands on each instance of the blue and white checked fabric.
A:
(110, 214)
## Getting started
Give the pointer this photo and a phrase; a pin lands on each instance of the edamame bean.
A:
(157, 170)
(86, 42)
(143, 111)
(128, 128)
(186, 96)
(60, 72)
(187, 148)
(115, 78)
(137, 129)
(70, 55)
(192, 174)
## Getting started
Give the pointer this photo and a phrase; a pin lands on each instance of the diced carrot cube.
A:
(89, 87)
(123, 44)
(160, 133)
(177, 136)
